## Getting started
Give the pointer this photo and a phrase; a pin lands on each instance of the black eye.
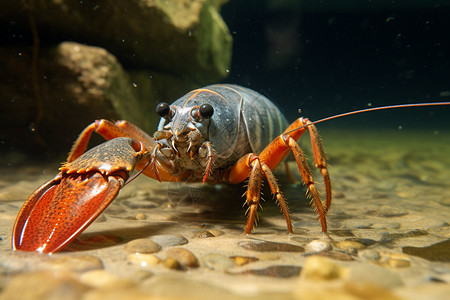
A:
(163, 109)
(206, 111)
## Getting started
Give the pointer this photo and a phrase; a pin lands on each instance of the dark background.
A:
(329, 57)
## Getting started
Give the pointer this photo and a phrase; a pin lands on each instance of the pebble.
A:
(218, 262)
(185, 257)
(203, 234)
(141, 216)
(317, 246)
(142, 246)
(399, 261)
(208, 233)
(274, 271)
(321, 268)
(143, 259)
(75, 263)
(264, 246)
(169, 240)
(171, 263)
(243, 260)
(350, 245)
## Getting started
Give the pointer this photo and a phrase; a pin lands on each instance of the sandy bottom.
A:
(389, 233)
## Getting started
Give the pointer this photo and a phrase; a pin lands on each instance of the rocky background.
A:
(67, 63)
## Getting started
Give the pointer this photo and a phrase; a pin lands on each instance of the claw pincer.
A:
(63, 207)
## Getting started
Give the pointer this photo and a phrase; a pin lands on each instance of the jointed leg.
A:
(308, 180)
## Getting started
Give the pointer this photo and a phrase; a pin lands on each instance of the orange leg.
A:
(255, 167)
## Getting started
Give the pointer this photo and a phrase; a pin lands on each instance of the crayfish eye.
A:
(206, 111)
(163, 109)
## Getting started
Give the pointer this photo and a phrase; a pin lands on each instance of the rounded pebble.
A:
(141, 217)
(317, 246)
(185, 257)
(243, 260)
(321, 268)
(203, 234)
(142, 246)
(350, 245)
(216, 232)
(169, 240)
(397, 260)
(218, 262)
(143, 259)
(171, 263)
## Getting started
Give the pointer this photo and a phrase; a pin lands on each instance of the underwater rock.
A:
(168, 48)
(183, 37)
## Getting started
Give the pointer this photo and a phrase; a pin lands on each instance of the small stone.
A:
(216, 232)
(350, 245)
(203, 234)
(142, 246)
(274, 271)
(141, 217)
(264, 246)
(321, 268)
(185, 257)
(171, 263)
(317, 246)
(169, 240)
(143, 259)
(243, 260)
(76, 263)
(218, 262)
(397, 262)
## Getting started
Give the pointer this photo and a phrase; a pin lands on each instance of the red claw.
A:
(56, 213)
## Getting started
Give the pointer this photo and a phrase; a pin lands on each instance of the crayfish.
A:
(220, 133)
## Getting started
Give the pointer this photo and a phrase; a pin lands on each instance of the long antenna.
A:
(373, 109)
